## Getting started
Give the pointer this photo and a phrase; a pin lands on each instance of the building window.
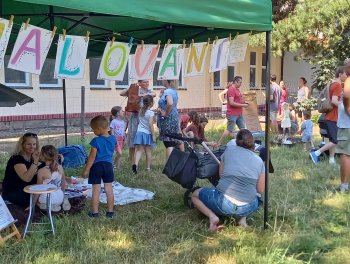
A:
(217, 81)
(94, 67)
(230, 73)
(263, 71)
(15, 79)
(252, 70)
(125, 82)
(46, 78)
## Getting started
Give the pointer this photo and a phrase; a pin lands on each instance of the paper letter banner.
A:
(142, 65)
(6, 218)
(219, 55)
(196, 59)
(170, 64)
(71, 57)
(114, 61)
(238, 49)
(5, 32)
(30, 50)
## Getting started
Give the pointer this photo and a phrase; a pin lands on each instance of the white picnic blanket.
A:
(122, 195)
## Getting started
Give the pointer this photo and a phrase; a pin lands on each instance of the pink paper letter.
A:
(24, 48)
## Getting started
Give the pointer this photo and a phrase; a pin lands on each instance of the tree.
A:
(282, 8)
(321, 30)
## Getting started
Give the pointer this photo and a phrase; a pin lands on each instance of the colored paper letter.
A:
(195, 66)
(30, 50)
(114, 61)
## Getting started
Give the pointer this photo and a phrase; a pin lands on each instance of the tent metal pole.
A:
(267, 128)
(65, 112)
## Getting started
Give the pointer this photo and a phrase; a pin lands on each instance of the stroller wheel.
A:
(188, 196)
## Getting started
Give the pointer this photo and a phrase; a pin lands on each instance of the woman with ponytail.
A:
(52, 173)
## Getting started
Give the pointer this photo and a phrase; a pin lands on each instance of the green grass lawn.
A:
(307, 224)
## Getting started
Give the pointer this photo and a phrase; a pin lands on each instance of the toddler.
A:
(306, 131)
(286, 123)
(118, 127)
(52, 173)
(100, 164)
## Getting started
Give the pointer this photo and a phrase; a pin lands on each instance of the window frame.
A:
(58, 85)
(97, 86)
(23, 85)
(252, 66)
(217, 87)
(124, 86)
(263, 67)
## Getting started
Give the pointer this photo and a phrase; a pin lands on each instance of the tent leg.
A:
(65, 112)
(267, 128)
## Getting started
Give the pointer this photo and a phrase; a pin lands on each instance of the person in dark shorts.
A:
(100, 164)
(331, 118)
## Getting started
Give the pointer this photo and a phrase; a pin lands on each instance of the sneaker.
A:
(314, 157)
(66, 204)
(93, 215)
(341, 190)
(134, 168)
(109, 214)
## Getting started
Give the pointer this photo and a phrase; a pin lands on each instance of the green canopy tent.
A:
(149, 21)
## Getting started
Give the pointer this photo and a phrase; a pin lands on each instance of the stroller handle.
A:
(195, 140)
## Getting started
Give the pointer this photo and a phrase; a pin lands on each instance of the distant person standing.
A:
(275, 99)
(284, 95)
(134, 93)
(331, 118)
(343, 146)
(223, 99)
(303, 93)
(235, 104)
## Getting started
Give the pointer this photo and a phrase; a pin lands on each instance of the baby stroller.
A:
(187, 167)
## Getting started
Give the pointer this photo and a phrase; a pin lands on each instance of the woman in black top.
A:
(21, 170)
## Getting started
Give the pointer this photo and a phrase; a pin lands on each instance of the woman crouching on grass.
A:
(242, 176)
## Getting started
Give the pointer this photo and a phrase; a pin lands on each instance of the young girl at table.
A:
(145, 136)
(117, 128)
(52, 173)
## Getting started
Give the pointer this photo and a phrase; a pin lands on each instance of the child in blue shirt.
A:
(100, 164)
(306, 131)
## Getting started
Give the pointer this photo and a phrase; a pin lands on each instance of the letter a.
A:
(172, 53)
(24, 47)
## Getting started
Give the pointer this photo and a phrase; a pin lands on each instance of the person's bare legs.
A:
(344, 168)
(96, 189)
(168, 151)
(110, 196)
(139, 150)
(132, 155)
(117, 159)
(213, 218)
(223, 136)
(148, 151)
(243, 222)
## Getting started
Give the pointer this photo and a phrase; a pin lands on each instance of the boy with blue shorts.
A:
(100, 164)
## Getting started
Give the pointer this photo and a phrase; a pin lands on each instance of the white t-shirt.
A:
(144, 122)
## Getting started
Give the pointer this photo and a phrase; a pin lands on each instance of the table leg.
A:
(48, 204)
(30, 216)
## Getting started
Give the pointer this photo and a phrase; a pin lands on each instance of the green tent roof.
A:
(150, 21)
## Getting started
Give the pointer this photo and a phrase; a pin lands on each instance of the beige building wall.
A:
(196, 92)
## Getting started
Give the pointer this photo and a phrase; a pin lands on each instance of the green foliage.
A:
(307, 105)
(321, 29)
